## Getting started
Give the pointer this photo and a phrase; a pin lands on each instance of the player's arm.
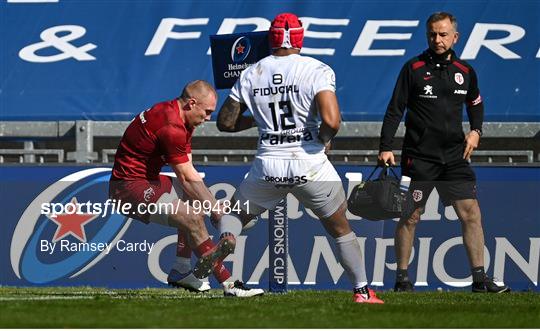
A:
(193, 184)
(231, 118)
(475, 112)
(392, 117)
(328, 108)
(176, 147)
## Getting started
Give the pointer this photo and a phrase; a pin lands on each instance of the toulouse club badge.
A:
(458, 77)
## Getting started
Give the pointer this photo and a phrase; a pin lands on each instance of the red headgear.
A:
(286, 31)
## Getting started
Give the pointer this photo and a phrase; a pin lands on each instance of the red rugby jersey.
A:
(155, 137)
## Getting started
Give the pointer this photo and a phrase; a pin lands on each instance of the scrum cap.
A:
(286, 31)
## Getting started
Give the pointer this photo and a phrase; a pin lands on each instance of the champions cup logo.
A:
(36, 231)
(240, 49)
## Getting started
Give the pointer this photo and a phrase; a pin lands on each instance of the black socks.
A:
(478, 274)
(402, 275)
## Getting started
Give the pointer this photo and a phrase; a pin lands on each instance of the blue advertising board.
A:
(110, 60)
(105, 249)
(232, 53)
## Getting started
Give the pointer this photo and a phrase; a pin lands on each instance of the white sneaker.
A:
(238, 289)
(187, 281)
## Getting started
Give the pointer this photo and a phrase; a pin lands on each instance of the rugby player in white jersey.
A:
(292, 102)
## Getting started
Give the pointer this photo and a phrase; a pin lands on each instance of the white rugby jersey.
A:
(280, 93)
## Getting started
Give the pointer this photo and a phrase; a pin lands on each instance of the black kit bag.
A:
(381, 198)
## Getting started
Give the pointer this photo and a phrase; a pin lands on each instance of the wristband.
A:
(479, 131)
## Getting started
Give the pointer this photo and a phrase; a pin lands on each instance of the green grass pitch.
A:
(84, 307)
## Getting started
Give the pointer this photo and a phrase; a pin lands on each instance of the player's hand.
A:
(471, 143)
(386, 157)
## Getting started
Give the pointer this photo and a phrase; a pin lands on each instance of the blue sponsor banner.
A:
(110, 60)
(106, 249)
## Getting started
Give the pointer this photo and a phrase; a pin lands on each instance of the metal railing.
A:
(84, 132)
(29, 156)
(337, 156)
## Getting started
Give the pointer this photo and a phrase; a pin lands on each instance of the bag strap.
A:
(370, 175)
(387, 169)
(393, 172)
(384, 172)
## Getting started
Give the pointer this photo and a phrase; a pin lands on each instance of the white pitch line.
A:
(117, 297)
(21, 298)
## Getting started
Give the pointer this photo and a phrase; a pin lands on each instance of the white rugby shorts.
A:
(314, 182)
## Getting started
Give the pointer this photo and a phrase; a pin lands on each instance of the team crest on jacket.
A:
(458, 77)
(417, 195)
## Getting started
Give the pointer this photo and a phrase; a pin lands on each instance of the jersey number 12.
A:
(286, 112)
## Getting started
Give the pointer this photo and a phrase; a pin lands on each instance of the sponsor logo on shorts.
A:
(286, 180)
(329, 193)
(148, 194)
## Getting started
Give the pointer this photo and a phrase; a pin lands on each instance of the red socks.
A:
(182, 246)
(220, 272)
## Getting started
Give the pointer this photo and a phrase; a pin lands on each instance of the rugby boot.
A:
(187, 281)
(366, 295)
(238, 289)
(405, 286)
(206, 262)
(489, 286)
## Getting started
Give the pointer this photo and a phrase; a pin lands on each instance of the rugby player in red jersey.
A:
(162, 135)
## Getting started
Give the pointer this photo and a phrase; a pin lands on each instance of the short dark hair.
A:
(439, 16)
